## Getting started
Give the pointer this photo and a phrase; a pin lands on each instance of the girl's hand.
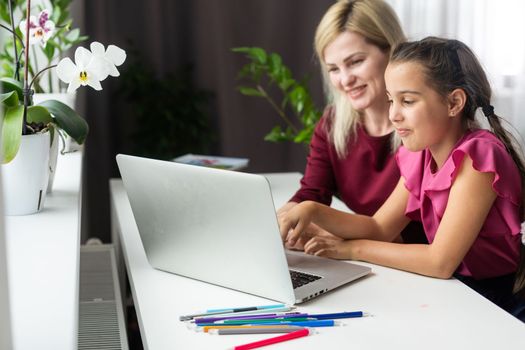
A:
(311, 231)
(330, 247)
(294, 223)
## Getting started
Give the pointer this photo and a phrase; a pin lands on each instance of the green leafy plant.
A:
(48, 115)
(263, 72)
(171, 113)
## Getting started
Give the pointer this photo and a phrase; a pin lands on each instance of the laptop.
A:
(220, 226)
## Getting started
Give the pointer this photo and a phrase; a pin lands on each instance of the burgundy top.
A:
(363, 180)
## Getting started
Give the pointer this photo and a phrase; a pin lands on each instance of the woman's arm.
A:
(470, 200)
(385, 225)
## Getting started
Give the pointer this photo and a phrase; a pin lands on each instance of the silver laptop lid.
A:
(212, 225)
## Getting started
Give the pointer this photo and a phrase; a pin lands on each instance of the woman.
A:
(352, 150)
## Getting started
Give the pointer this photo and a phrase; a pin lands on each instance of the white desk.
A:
(410, 311)
(43, 265)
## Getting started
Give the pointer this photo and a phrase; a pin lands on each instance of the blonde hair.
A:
(378, 23)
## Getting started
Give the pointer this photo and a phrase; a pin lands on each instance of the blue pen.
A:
(316, 323)
(338, 315)
(248, 308)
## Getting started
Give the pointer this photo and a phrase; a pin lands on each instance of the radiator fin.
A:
(101, 319)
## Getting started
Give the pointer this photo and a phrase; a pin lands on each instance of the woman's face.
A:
(357, 68)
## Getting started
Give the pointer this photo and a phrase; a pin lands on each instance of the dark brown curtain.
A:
(170, 33)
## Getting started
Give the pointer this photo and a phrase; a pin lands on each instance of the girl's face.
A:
(356, 68)
(420, 115)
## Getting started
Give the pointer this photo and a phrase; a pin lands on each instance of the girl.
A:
(463, 183)
(351, 152)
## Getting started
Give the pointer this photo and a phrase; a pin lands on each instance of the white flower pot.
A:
(25, 177)
(69, 100)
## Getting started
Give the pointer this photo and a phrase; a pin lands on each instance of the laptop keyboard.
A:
(299, 279)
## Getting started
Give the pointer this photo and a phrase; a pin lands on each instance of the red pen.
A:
(281, 338)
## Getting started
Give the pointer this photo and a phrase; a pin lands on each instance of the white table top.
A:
(43, 265)
(409, 311)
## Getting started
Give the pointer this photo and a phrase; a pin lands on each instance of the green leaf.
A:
(9, 99)
(81, 39)
(277, 135)
(275, 62)
(297, 98)
(49, 49)
(11, 133)
(9, 84)
(241, 49)
(38, 114)
(73, 35)
(258, 54)
(55, 16)
(304, 136)
(254, 53)
(250, 91)
(67, 119)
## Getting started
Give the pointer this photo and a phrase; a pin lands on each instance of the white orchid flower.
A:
(85, 71)
(39, 30)
(112, 57)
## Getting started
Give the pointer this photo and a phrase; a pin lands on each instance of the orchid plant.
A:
(51, 37)
(20, 116)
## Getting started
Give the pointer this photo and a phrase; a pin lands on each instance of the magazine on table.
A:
(229, 163)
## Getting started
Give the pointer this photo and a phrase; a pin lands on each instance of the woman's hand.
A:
(294, 223)
(331, 247)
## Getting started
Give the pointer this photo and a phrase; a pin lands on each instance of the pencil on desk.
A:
(254, 330)
(257, 344)
(237, 312)
(206, 329)
(247, 317)
(311, 323)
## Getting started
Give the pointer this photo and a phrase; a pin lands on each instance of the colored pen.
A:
(251, 316)
(312, 323)
(338, 315)
(248, 308)
(269, 320)
(230, 312)
(278, 339)
(206, 329)
(255, 330)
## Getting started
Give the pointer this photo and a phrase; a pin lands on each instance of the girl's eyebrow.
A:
(406, 92)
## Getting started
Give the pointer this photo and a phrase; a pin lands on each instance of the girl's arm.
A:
(385, 225)
(470, 200)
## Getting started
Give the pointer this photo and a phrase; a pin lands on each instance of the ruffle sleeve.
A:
(488, 155)
(411, 167)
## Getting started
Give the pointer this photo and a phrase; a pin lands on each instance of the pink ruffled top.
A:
(495, 251)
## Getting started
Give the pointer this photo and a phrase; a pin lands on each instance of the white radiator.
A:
(101, 316)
